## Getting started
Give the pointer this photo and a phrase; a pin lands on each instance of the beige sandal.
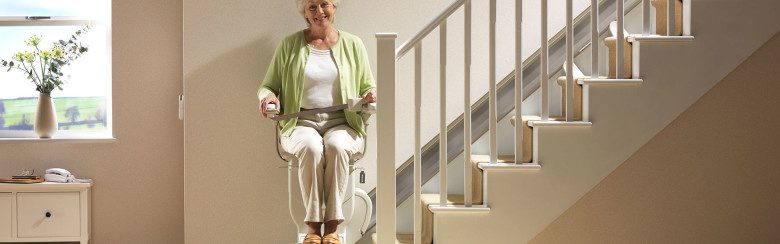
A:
(331, 238)
(312, 239)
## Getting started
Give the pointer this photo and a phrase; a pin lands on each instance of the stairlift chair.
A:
(356, 205)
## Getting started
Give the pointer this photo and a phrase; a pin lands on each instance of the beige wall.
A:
(137, 197)
(242, 35)
(711, 176)
(234, 190)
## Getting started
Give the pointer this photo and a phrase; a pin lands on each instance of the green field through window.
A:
(73, 113)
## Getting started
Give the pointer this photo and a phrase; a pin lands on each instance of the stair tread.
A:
(455, 202)
(558, 123)
(608, 81)
(509, 166)
(534, 117)
(433, 198)
(657, 38)
(479, 158)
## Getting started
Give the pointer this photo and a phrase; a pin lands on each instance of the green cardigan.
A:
(285, 76)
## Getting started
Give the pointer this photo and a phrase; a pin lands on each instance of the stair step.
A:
(399, 238)
(504, 163)
(605, 81)
(459, 208)
(551, 123)
(510, 166)
(657, 38)
(479, 158)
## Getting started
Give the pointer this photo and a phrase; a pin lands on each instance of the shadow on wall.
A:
(714, 168)
(233, 167)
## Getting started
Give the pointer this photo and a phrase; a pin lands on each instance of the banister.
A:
(531, 84)
(408, 45)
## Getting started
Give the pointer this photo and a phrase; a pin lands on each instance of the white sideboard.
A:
(45, 212)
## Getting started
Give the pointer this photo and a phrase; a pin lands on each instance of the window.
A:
(84, 105)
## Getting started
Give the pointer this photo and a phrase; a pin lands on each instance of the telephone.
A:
(63, 176)
(57, 175)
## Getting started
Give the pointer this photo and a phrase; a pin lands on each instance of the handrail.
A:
(417, 38)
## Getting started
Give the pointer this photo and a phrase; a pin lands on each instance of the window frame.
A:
(23, 21)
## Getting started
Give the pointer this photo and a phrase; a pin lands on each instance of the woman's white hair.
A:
(302, 7)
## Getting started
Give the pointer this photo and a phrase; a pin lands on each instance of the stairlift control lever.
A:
(271, 109)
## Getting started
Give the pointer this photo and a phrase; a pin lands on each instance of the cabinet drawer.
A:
(6, 215)
(62, 209)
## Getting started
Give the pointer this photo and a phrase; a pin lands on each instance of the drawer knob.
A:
(48, 214)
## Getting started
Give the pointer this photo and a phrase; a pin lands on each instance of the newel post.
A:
(385, 122)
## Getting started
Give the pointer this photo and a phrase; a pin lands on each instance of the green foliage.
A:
(43, 67)
(72, 113)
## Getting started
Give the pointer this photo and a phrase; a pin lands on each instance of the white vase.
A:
(45, 117)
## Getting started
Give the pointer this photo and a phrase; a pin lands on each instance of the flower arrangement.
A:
(44, 66)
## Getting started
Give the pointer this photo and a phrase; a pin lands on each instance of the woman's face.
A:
(319, 13)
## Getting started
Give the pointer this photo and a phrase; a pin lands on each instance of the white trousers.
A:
(323, 145)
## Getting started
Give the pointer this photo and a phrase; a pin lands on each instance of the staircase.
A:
(544, 180)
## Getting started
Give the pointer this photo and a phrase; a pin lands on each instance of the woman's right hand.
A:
(271, 98)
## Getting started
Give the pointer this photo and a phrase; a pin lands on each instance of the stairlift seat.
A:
(354, 226)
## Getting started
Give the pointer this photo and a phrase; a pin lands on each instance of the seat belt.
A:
(353, 105)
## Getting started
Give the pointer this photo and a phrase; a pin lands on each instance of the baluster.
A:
(686, 18)
(417, 148)
(670, 18)
(493, 120)
(385, 212)
(619, 43)
(594, 39)
(467, 184)
(443, 113)
(570, 83)
(645, 17)
(544, 77)
(518, 82)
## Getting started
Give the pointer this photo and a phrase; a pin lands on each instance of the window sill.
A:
(94, 140)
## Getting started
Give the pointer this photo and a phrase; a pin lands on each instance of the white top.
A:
(320, 81)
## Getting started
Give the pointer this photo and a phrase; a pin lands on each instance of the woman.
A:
(317, 67)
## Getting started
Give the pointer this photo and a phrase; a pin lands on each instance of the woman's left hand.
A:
(370, 97)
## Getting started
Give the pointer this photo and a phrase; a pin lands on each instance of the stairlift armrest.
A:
(358, 105)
